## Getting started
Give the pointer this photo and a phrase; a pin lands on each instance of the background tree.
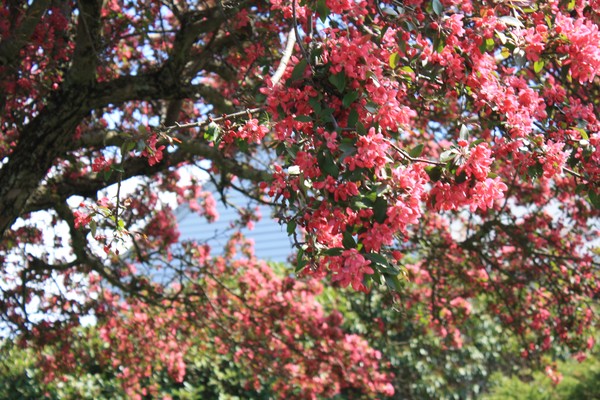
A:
(461, 134)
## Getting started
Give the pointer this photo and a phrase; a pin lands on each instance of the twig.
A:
(118, 204)
(415, 159)
(176, 127)
(295, 22)
(570, 171)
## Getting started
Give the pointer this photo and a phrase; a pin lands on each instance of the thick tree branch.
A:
(49, 195)
(193, 24)
(50, 134)
(40, 143)
(83, 67)
(287, 54)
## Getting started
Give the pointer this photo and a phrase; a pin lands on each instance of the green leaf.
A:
(464, 132)
(328, 165)
(315, 103)
(580, 188)
(394, 58)
(535, 171)
(594, 199)
(130, 146)
(475, 143)
(371, 107)
(359, 205)
(394, 282)
(462, 177)
(326, 114)
(322, 10)
(298, 71)
(416, 151)
(303, 118)
(512, 21)
(300, 261)
(352, 118)
(380, 210)
(435, 173)
(360, 128)
(583, 133)
(378, 259)
(371, 197)
(242, 145)
(348, 240)
(334, 251)
(347, 145)
(447, 155)
(350, 98)
(126, 147)
(438, 8)
(402, 45)
(338, 80)
(291, 228)
(439, 43)
(538, 65)
(407, 69)
(212, 132)
(390, 11)
(93, 227)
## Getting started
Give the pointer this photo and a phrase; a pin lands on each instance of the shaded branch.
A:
(90, 262)
(47, 196)
(193, 24)
(83, 65)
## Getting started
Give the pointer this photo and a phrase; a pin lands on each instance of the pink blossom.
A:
(154, 154)
(377, 236)
(535, 41)
(251, 131)
(100, 164)
(554, 159)
(354, 266)
(478, 163)
(371, 152)
(485, 194)
(81, 218)
(583, 47)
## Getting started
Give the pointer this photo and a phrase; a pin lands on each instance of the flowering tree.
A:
(462, 133)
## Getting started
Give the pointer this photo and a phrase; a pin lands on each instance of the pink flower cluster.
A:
(153, 153)
(583, 46)
(371, 152)
(350, 268)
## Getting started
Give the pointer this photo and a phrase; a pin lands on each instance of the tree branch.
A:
(287, 54)
(91, 262)
(83, 66)
(50, 135)
(53, 192)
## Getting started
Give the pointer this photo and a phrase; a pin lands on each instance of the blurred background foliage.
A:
(424, 363)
